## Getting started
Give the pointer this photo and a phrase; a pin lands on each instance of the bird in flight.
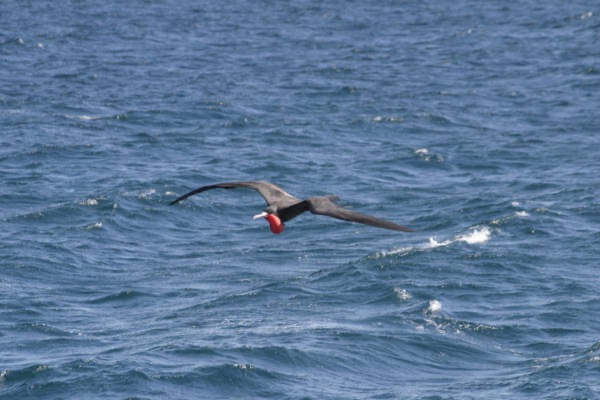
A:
(282, 206)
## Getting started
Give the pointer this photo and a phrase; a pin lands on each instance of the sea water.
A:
(474, 123)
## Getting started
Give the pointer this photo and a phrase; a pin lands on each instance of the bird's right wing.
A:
(326, 206)
(273, 194)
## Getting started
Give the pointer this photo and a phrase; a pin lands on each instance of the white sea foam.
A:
(434, 243)
(381, 118)
(402, 294)
(399, 250)
(97, 225)
(243, 366)
(82, 117)
(434, 306)
(147, 194)
(519, 213)
(89, 202)
(425, 155)
(476, 235)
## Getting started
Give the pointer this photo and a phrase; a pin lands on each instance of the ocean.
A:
(474, 123)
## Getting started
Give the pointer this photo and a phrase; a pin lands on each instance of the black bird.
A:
(282, 206)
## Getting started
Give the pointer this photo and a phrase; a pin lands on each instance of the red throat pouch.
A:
(275, 223)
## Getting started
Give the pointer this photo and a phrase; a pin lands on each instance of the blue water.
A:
(475, 123)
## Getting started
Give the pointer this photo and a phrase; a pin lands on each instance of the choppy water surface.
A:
(473, 123)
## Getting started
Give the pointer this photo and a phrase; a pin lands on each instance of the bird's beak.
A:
(261, 215)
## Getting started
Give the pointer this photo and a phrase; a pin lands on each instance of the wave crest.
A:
(476, 235)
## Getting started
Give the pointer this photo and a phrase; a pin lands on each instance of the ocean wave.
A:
(89, 202)
(9, 376)
(425, 155)
(122, 296)
(85, 117)
(95, 225)
(476, 235)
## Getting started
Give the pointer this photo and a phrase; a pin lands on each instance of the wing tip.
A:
(177, 200)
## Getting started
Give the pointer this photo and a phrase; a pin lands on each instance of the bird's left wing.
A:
(273, 194)
(326, 206)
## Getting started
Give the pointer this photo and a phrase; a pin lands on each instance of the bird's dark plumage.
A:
(285, 206)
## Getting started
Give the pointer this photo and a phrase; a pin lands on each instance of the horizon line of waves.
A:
(476, 235)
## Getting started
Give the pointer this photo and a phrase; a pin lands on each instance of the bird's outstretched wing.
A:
(326, 206)
(273, 194)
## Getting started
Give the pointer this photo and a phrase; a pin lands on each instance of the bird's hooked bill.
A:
(261, 215)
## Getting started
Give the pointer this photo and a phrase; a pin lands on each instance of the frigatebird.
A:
(282, 206)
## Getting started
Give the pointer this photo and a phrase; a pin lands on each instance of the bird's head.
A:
(270, 214)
